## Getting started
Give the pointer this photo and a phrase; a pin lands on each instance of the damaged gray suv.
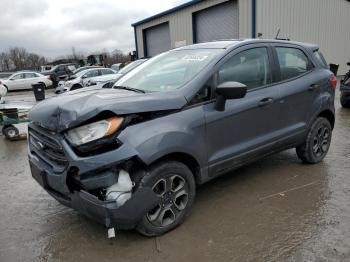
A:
(131, 156)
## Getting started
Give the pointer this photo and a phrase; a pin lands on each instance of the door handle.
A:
(313, 87)
(266, 101)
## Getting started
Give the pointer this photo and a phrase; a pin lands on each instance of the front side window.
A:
(293, 62)
(250, 67)
(204, 94)
(18, 76)
(168, 71)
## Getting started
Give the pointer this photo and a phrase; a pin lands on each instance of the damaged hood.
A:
(73, 108)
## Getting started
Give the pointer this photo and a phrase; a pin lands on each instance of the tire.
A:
(10, 132)
(317, 142)
(344, 100)
(75, 87)
(175, 184)
(45, 87)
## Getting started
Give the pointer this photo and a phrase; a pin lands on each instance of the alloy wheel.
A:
(321, 141)
(173, 192)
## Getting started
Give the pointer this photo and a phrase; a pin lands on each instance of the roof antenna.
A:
(278, 32)
(279, 38)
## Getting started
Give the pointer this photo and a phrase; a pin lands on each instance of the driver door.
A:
(17, 82)
(249, 126)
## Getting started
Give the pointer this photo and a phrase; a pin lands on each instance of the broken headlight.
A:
(94, 131)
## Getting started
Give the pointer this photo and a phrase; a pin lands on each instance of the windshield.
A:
(5, 75)
(168, 71)
(131, 66)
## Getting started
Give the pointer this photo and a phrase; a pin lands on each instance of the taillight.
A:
(333, 81)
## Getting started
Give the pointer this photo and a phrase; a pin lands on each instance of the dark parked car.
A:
(59, 72)
(132, 156)
(345, 90)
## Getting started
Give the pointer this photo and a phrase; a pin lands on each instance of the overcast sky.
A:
(53, 27)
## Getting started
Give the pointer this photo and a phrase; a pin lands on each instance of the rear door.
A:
(299, 82)
(249, 126)
(29, 79)
(105, 74)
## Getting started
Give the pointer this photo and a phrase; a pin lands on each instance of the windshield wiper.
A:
(130, 88)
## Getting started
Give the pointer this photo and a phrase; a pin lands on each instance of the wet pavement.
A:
(276, 209)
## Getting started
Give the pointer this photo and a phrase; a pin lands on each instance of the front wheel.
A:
(317, 142)
(174, 183)
(75, 87)
(10, 132)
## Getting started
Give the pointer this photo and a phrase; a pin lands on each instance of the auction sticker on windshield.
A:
(195, 57)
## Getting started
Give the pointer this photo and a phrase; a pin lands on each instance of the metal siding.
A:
(157, 39)
(217, 22)
(245, 18)
(323, 22)
(180, 24)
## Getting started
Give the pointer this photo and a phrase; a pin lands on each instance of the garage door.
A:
(157, 39)
(217, 22)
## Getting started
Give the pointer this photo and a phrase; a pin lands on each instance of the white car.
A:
(3, 92)
(82, 78)
(23, 80)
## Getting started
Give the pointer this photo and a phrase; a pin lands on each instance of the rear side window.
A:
(293, 62)
(30, 75)
(320, 58)
(106, 72)
(250, 67)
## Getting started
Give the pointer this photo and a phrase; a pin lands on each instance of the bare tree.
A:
(18, 56)
(5, 62)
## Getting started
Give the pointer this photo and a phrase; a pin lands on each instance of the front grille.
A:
(43, 144)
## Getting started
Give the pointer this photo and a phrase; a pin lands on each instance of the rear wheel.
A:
(345, 100)
(174, 183)
(317, 142)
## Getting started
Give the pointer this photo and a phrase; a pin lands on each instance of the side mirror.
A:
(229, 90)
(84, 76)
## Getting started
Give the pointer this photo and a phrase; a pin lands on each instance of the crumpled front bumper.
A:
(55, 182)
(105, 212)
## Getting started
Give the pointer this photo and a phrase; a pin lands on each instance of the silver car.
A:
(23, 80)
(3, 92)
(81, 79)
(109, 83)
